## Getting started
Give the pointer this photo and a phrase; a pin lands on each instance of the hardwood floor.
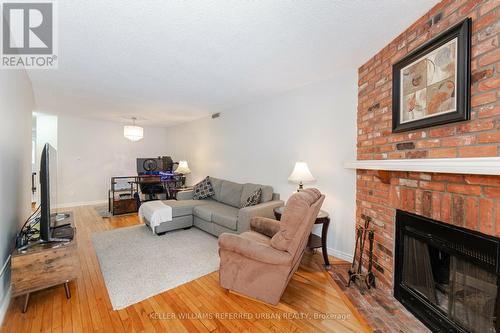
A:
(312, 302)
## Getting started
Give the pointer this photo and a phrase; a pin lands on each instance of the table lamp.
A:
(183, 169)
(300, 175)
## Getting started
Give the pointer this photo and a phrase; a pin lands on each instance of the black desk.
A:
(122, 201)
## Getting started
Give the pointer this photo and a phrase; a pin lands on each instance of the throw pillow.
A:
(254, 198)
(203, 189)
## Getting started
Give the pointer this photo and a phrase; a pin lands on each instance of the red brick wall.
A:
(465, 200)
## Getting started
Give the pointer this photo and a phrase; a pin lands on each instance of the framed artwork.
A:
(431, 86)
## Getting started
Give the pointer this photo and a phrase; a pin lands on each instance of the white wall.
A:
(261, 143)
(90, 152)
(16, 106)
(46, 132)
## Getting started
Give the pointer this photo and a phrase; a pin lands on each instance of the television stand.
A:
(43, 265)
(62, 231)
(61, 220)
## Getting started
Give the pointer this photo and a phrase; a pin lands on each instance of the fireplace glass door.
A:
(446, 275)
(465, 292)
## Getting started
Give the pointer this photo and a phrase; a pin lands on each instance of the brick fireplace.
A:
(465, 200)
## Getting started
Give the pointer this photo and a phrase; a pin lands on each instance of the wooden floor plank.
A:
(48, 308)
(311, 292)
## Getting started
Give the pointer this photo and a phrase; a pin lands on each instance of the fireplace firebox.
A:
(447, 276)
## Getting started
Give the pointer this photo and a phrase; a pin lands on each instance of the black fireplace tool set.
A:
(356, 271)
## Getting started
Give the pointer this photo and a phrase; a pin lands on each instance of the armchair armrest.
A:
(185, 195)
(264, 225)
(254, 250)
(265, 209)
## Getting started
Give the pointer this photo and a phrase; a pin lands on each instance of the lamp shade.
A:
(183, 168)
(133, 133)
(301, 174)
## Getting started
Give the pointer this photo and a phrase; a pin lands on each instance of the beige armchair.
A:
(259, 263)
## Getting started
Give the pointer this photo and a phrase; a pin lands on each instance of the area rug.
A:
(103, 211)
(136, 264)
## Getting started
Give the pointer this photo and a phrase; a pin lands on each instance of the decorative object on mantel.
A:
(133, 132)
(183, 170)
(431, 86)
(300, 175)
(355, 272)
(473, 165)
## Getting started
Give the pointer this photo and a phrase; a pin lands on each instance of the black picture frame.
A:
(462, 32)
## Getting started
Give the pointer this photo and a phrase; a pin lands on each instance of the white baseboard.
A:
(341, 255)
(82, 203)
(4, 305)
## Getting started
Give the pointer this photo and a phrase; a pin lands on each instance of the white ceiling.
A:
(172, 61)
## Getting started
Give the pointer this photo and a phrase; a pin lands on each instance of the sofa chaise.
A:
(223, 212)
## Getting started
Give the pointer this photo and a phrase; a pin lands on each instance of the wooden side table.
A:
(43, 266)
(315, 241)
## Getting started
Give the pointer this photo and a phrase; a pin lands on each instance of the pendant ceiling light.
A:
(133, 132)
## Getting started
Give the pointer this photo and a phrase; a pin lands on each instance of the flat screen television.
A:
(48, 190)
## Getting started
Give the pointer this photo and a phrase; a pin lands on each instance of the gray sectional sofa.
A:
(224, 212)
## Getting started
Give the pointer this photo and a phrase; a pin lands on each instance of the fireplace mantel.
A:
(477, 166)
